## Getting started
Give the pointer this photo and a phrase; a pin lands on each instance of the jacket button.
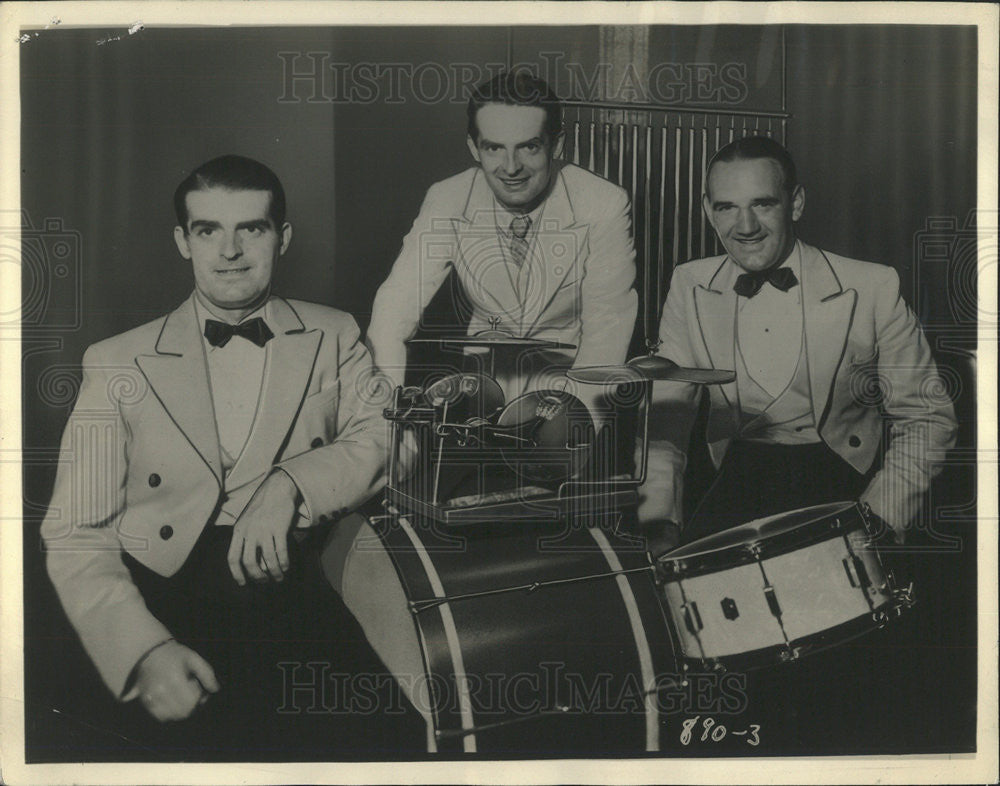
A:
(154, 480)
(854, 441)
(316, 443)
(166, 532)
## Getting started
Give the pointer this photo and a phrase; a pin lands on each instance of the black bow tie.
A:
(255, 330)
(749, 284)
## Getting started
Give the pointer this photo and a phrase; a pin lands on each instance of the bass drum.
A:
(512, 640)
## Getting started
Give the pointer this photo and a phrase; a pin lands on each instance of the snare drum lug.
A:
(772, 601)
(857, 574)
(692, 619)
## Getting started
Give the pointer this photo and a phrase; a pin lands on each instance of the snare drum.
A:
(520, 639)
(777, 588)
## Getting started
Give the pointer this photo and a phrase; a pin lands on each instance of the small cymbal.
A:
(493, 338)
(649, 368)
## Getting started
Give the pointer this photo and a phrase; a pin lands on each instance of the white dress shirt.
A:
(769, 331)
(236, 375)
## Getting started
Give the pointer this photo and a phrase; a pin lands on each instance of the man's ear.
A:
(557, 147)
(473, 148)
(286, 237)
(181, 239)
(798, 202)
(706, 205)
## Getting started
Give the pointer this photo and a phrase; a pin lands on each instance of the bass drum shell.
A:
(570, 667)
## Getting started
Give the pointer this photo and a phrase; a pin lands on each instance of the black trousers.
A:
(758, 479)
(299, 681)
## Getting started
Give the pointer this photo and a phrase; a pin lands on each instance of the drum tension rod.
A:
(417, 606)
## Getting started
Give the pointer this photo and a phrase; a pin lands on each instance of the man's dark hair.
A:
(232, 173)
(516, 88)
(749, 148)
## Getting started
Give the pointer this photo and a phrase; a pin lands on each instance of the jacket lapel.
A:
(178, 377)
(291, 356)
(828, 313)
(482, 263)
(715, 308)
(559, 241)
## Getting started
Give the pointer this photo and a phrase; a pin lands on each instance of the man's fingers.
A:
(281, 549)
(202, 671)
(268, 560)
(234, 557)
(250, 562)
(173, 701)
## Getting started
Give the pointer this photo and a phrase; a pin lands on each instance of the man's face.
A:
(233, 246)
(515, 153)
(751, 212)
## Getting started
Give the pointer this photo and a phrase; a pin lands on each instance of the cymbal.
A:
(647, 368)
(493, 338)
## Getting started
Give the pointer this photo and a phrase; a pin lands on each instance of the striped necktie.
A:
(519, 227)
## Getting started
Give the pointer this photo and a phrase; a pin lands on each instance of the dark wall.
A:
(884, 135)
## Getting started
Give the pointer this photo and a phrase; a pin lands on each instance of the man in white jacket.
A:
(542, 248)
(203, 451)
(826, 354)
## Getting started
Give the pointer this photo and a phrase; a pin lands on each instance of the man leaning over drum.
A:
(822, 346)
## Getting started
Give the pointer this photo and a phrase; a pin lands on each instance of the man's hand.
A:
(172, 680)
(661, 536)
(259, 548)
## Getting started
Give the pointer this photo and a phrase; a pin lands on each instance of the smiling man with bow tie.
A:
(204, 451)
(822, 346)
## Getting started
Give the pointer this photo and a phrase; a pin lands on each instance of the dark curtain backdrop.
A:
(883, 130)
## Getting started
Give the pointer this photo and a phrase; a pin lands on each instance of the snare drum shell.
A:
(828, 589)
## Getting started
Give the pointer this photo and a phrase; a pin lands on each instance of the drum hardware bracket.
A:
(706, 664)
(416, 606)
(772, 601)
(857, 574)
(665, 569)
(729, 610)
(692, 619)
(904, 597)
